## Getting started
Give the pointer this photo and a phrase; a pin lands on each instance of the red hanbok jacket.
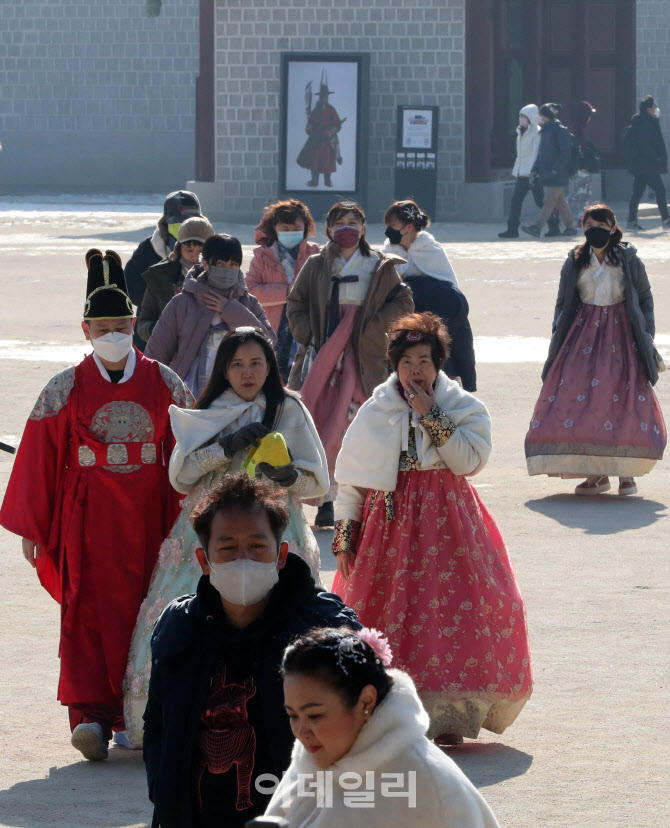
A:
(90, 484)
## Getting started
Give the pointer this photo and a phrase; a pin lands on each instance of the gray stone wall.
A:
(653, 56)
(417, 56)
(97, 97)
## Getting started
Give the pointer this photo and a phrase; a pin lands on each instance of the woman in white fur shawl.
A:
(418, 554)
(244, 400)
(361, 756)
(408, 238)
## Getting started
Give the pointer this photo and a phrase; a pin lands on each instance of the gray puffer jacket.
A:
(185, 322)
(638, 299)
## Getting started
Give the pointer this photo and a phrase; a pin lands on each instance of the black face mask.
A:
(394, 236)
(597, 236)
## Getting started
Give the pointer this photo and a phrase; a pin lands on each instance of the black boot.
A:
(325, 517)
(510, 233)
(553, 228)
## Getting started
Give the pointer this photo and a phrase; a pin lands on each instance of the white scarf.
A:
(193, 428)
(425, 256)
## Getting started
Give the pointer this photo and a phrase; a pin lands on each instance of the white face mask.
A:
(113, 347)
(243, 582)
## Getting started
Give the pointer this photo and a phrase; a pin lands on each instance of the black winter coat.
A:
(162, 281)
(189, 638)
(554, 155)
(648, 154)
(639, 303)
(448, 302)
(142, 259)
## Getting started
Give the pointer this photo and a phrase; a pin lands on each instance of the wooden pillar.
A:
(205, 98)
(478, 89)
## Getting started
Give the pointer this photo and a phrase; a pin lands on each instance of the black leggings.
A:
(520, 192)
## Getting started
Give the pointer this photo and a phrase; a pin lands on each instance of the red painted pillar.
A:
(205, 100)
(479, 107)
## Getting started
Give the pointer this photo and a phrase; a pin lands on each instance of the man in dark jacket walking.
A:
(216, 732)
(648, 160)
(178, 206)
(552, 167)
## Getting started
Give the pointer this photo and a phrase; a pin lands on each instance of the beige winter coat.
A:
(388, 299)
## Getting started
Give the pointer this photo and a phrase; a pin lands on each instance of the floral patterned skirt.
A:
(177, 573)
(597, 412)
(438, 581)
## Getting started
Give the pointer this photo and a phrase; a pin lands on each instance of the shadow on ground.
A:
(82, 795)
(490, 762)
(602, 515)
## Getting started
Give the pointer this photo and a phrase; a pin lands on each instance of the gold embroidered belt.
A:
(116, 454)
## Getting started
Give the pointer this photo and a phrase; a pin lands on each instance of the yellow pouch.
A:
(272, 450)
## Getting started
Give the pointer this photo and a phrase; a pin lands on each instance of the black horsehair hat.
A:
(106, 291)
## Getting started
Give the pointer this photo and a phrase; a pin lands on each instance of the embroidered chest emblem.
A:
(122, 422)
(227, 738)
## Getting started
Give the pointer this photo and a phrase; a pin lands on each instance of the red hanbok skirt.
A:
(438, 581)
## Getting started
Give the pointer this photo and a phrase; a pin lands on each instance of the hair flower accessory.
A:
(413, 336)
(379, 644)
(411, 212)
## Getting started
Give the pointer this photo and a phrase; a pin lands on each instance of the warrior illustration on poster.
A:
(321, 122)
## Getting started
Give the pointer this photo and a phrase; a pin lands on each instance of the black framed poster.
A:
(323, 129)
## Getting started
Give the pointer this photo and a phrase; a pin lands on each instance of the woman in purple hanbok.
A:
(597, 414)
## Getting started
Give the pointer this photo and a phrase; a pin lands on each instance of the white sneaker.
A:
(627, 486)
(594, 485)
(88, 739)
(122, 740)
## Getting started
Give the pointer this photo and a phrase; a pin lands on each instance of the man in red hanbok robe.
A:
(90, 497)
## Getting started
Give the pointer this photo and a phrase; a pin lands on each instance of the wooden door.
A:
(588, 53)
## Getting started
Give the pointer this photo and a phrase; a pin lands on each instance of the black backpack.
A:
(624, 144)
(576, 159)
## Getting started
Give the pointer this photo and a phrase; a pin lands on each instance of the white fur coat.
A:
(392, 741)
(193, 430)
(372, 445)
(425, 257)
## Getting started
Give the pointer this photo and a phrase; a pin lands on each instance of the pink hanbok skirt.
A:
(333, 391)
(597, 412)
(438, 581)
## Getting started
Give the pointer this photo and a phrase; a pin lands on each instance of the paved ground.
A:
(591, 748)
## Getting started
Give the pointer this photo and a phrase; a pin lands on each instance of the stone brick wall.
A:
(417, 56)
(96, 96)
(653, 56)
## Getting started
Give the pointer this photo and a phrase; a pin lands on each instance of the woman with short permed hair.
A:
(418, 554)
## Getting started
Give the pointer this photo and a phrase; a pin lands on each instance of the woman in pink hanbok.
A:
(597, 414)
(339, 308)
(418, 554)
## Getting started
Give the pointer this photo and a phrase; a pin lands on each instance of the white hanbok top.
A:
(601, 283)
